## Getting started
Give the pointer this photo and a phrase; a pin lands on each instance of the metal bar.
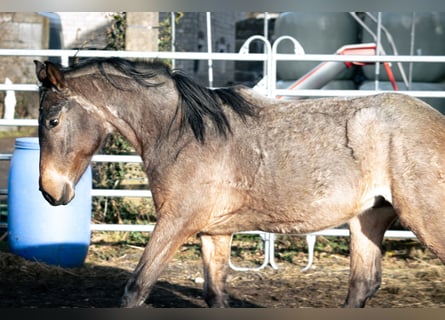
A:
(112, 227)
(267, 66)
(399, 234)
(357, 58)
(116, 158)
(378, 50)
(345, 233)
(19, 122)
(222, 56)
(108, 193)
(209, 48)
(19, 87)
(123, 227)
(96, 158)
(310, 240)
(354, 93)
(134, 54)
(411, 48)
(120, 193)
(173, 35)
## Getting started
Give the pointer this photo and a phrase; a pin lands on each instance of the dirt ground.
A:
(412, 277)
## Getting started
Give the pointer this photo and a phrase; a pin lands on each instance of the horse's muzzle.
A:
(64, 198)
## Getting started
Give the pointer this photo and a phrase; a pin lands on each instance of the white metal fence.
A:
(270, 58)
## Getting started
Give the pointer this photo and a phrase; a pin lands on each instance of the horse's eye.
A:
(53, 123)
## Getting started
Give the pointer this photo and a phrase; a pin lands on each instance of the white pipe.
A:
(173, 35)
(116, 158)
(132, 54)
(209, 47)
(244, 50)
(411, 49)
(19, 122)
(120, 193)
(18, 87)
(96, 158)
(298, 51)
(10, 102)
(378, 50)
(354, 93)
(123, 227)
(358, 58)
(341, 232)
(393, 46)
(221, 56)
(266, 36)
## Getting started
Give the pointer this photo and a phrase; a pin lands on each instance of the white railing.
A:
(270, 58)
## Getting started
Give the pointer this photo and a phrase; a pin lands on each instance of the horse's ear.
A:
(50, 75)
(40, 71)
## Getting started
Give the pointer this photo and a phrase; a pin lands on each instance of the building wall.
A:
(142, 31)
(191, 36)
(85, 29)
(21, 30)
(88, 30)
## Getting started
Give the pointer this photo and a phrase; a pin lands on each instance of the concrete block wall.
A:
(85, 29)
(21, 30)
(191, 35)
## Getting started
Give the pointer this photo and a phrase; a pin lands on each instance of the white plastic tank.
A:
(318, 33)
(429, 39)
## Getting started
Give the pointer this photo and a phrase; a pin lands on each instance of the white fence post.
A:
(10, 102)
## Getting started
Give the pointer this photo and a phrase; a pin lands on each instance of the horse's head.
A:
(69, 134)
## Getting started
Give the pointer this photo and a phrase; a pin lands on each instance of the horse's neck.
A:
(142, 116)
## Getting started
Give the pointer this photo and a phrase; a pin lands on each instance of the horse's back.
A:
(314, 157)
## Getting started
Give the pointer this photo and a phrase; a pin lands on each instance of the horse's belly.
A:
(298, 219)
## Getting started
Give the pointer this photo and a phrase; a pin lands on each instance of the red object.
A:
(369, 49)
(325, 71)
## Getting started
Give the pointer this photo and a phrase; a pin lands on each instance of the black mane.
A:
(196, 102)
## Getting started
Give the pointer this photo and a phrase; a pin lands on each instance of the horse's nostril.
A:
(48, 197)
(65, 196)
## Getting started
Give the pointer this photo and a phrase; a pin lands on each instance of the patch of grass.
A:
(329, 244)
(19, 132)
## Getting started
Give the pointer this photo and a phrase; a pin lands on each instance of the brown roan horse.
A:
(228, 160)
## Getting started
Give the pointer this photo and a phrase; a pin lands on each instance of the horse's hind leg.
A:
(367, 232)
(418, 183)
(428, 224)
(215, 256)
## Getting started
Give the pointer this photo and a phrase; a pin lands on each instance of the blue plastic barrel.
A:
(36, 230)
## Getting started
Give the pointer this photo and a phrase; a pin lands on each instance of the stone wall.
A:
(21, 30)
(142, 31)
(191, 36)
(85, 29)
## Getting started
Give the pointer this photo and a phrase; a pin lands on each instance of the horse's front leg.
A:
(168, 235)
(215, 256)
(367, 232)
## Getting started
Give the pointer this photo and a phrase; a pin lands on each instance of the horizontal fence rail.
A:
(271, 59)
